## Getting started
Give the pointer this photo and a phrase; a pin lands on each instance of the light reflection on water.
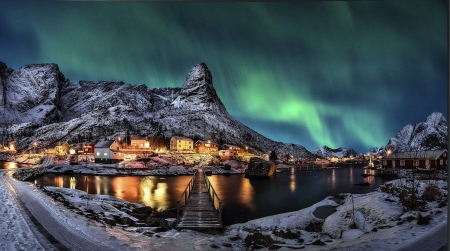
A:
(12, 165)
(242, 198)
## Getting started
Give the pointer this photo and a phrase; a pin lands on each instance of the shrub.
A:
(422, 220)
(258, 238)
(431, 192)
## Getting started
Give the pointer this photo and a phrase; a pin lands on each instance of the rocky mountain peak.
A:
(197, 92)
(428, 135)
(32, 94)
(5, 71)
(198, 76)
(436, 118)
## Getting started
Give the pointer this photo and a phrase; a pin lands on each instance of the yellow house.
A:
(178, 143)
(140, 142)
(62, 149)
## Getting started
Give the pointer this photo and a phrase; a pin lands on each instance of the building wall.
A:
(105, 155)
(139, 143)
(181, 145)
(204, 148)
(439, 163)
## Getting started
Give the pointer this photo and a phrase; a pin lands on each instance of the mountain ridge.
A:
(41, 105)
(431, 134)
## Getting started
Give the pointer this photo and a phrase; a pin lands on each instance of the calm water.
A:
(11, 165)
(243, 198)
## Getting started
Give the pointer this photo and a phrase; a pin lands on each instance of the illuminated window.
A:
(98, 153)
(105, 153)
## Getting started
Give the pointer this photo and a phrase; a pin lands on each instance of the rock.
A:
(226, 167)
(142, 210)
(260, 168)
(109, 221)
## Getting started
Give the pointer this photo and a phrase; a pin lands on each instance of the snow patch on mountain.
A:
(325, 152)
(429, 135)
(39, 104)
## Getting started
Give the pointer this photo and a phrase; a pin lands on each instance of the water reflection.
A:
(154, 193)
(73, 182)
(292, 184)
(11, 165)
(242, 198)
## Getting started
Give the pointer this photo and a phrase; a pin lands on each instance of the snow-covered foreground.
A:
(376, 223)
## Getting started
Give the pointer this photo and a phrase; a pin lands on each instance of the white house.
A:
(107, 152)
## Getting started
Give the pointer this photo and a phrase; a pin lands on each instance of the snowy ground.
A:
(377, 222)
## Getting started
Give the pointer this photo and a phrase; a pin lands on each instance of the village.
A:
(187, 152)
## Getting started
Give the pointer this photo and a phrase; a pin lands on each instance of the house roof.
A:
(429, 154)
(182, 138)
(104, 144)
(138, 137)
(205, 142)
(232, 146)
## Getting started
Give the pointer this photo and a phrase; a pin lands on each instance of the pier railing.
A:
(214, 197)
(185, 195)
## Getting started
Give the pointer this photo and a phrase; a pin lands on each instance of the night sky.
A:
(348, 74)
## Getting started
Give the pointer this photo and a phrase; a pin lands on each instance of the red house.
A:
(206, 146)
(430, 159)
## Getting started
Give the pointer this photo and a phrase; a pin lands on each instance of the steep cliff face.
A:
(198, 93)
(32, 94)
(429, 135)
(41, 104)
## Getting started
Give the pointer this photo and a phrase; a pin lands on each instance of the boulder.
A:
(260, 168)
(142, 210)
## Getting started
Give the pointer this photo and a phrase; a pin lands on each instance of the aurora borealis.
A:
(348, 74)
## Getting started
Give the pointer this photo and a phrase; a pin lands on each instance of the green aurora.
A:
(347, 74)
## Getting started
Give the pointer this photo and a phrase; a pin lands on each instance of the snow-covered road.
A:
(69, 231)
(15, 232)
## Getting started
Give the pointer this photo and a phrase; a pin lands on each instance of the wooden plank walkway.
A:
(199, 211)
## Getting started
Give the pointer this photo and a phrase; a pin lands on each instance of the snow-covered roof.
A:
(104, 144)
(182, 138)
(138, 137)
(232, 146)
(430, 154)
(205, 142)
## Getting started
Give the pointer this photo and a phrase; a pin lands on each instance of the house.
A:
(107, 152)
(178, 143)
(425, 159)
(62, 149)
(139, 142)
(88, 148)
(227, 154)
(233, 148)
(208, 146)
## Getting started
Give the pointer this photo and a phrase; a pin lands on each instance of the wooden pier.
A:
(199, 207)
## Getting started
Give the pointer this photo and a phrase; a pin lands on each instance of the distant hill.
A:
(37, 103)
(340, 152)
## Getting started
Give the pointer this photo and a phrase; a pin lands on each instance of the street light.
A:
(35, 144)
(388, 152)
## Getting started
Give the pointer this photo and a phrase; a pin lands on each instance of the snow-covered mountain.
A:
(39, 104)
(340, 152)
(429, 135)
